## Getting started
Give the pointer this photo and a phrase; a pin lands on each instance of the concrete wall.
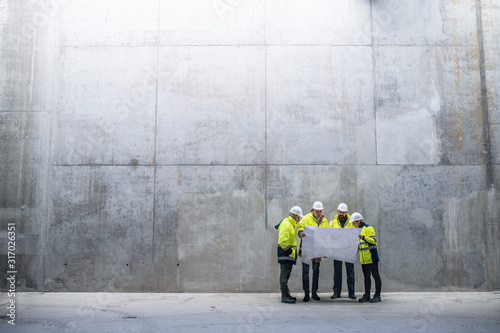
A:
(153, 145)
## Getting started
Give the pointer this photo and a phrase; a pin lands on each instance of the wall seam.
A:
(153, 251)
(265, 117)
(374, 81)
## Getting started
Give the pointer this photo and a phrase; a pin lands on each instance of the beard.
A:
(342, 218)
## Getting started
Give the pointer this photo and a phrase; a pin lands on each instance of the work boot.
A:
(375, 299)
(290, 296)
(352, 296)
(285, 298)
(364, 299)
(315, 296)
(335, 296)
(306, 296)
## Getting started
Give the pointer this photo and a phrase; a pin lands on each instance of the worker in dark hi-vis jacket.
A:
(368, 256)
(287, 250)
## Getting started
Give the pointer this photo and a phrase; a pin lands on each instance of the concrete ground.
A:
(179, 312)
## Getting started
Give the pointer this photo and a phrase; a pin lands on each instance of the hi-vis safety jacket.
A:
(309, 219)
(367, 246)
(335, 223)
(287, 241)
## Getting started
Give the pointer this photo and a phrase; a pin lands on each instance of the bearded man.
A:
(341, 220)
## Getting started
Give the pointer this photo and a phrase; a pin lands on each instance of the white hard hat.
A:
(356, 217)
(342, 207)
(318, 205)
(297, 211)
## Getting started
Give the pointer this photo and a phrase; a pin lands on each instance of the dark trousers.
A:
(286, 270)
(305, 276)
(337, 277)
(373, 270)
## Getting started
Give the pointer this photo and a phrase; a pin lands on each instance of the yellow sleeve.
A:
(369, 236)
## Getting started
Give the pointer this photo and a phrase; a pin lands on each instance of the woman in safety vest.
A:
(368, 256)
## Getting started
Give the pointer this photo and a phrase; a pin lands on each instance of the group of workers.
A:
(293, 226)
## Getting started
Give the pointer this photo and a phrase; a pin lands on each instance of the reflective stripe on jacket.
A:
(287, 241)
(335, 223)
(367, 247)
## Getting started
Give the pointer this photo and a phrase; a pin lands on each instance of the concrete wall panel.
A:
(101, 229)
(490, 15)
(106, 106)
(432, 224)
(15, 67)
(211, 105)
(22, 150)
(493, 237)
(22, 178)
(302, 185)
(415, 22)
(25, 57)
(431, 104)
(215, 22)
(104, 23)
(318, 111)
(293, 22)
(491, 30)
(214, 215)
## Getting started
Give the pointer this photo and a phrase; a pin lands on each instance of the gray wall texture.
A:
(152, 145)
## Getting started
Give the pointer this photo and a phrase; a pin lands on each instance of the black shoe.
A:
(352, 297)
(335, 296)
(375, 299)
(364, 299)
(287, 300)
(315, 296)
(306, 297)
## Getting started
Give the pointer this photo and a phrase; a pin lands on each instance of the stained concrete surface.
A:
(211, 312)
(134, 132)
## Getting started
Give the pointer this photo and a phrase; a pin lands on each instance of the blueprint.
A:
(334, 243)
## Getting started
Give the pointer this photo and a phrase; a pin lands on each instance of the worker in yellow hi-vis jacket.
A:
(287, 250)
(341, 220)
(368, 256)
(316, 219)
